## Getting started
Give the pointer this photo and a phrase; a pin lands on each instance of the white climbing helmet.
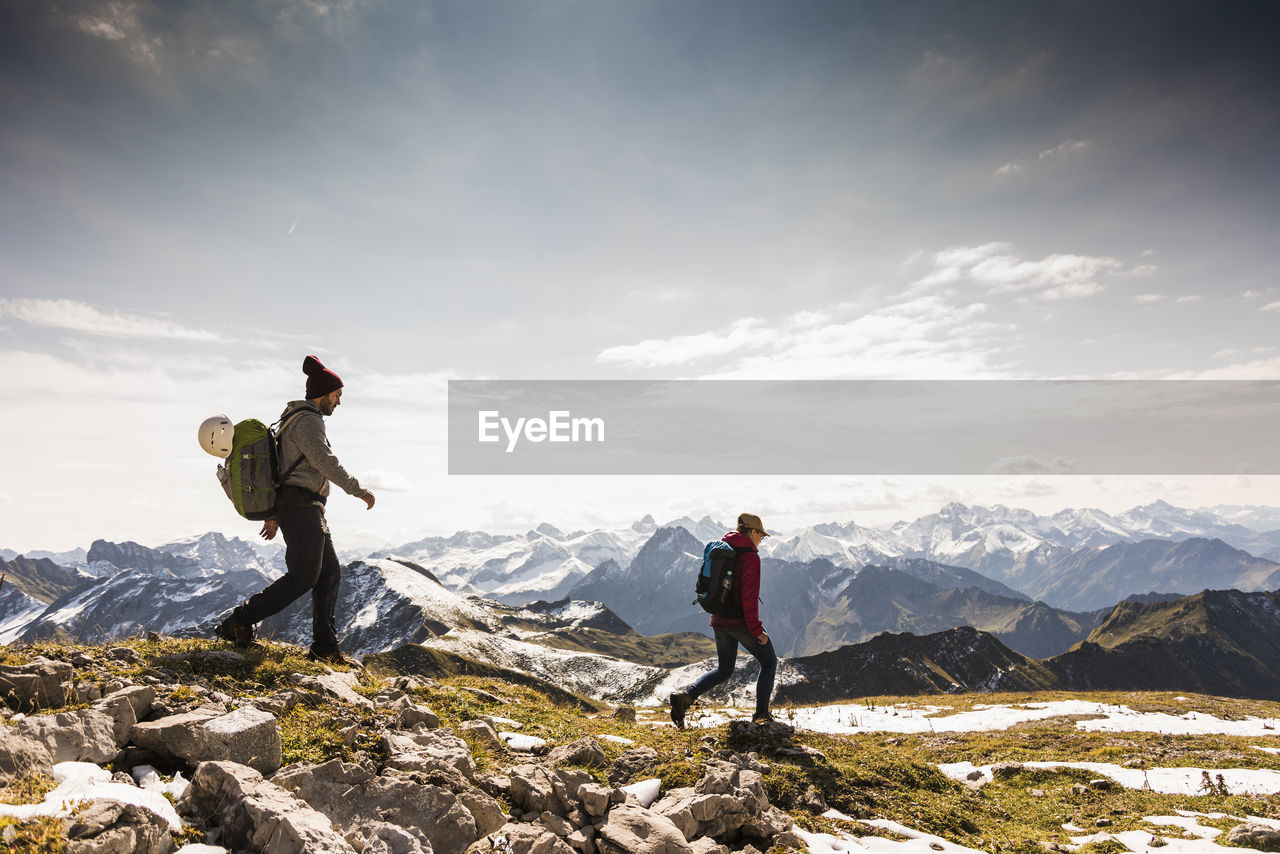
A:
(215, 435)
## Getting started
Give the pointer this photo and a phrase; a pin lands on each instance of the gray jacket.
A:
(304, 446)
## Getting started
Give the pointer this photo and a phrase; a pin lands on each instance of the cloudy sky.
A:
(194, 196)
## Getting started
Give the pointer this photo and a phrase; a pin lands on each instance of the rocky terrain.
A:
(162, 745)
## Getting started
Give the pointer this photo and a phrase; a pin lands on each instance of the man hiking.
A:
(309, 555)
(746, 630)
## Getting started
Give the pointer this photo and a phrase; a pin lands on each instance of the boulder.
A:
(338, 685)
(521, 839)
(81, 736)
(428, 750)
(258, 815)
(585, 751)
(40, 684)
(389, 839)
(108, 827)
(632, 829)
(729, 803)
(247, 736)
(411, 716)
(356, 801)
(483, 732)
(1255, 835)
(707, 845)
(127, 654)
(21, 755)
(638, 760)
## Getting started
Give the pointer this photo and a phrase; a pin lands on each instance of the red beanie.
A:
(320, 380)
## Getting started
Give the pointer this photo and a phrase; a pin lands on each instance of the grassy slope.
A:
(877, 774)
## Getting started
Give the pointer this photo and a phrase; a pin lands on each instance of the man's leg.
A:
(304, 539)
(324, 599)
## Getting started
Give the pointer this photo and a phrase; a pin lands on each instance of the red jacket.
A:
(748, 585)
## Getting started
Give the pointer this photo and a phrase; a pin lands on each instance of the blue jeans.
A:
(727, 640)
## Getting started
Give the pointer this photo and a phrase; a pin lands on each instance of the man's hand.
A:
(269, 528)
(367, 498)
(763, 637)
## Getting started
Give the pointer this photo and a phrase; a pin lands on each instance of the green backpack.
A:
(251, 475)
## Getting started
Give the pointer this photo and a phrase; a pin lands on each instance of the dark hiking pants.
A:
(312, 565)
(727, 640)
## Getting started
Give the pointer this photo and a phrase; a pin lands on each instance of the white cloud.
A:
(1251, 294)
(1189, 298)
(926, 337)
(121, 22)
(1010, 168)
(1075, 290)
(1066, 149)
(686, 349)
(1147, 299)
(382, 480)
(995, 268)
(81, 317)
(1143, 270)
(1273, 307)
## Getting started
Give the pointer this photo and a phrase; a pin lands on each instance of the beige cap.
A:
(750, 520)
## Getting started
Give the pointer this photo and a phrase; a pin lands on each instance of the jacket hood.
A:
(739, 540)
(299, 404)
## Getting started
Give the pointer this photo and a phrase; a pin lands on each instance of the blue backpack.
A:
(717, 587)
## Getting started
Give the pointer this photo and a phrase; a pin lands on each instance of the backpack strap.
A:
(285, 421)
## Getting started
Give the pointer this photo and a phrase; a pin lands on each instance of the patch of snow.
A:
(523, 743)
(83, 781)
(1169, 781)
(646, 791)
(617, 739)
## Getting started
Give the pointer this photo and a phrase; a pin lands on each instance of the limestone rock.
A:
(1254, 835)
(427, 751)
(40, 684)
(412, 715)
(127, 654)
(110, 827)
(81, 736)
(707, 845)
(389, 839)
(585, 751)
(632, 829)
(259, 815)
(520, 839)
(486, 811)
(336, 684)
(247, 736)
(638, 760)
(21, 754)
(483, 732)
(356, 801)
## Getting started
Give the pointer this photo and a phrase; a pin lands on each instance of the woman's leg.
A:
(727, 655)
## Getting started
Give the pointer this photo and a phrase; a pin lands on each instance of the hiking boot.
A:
(231, 629)
(329, 655)
(680, 703)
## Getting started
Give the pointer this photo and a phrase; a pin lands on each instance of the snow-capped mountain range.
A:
(1076, 560)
